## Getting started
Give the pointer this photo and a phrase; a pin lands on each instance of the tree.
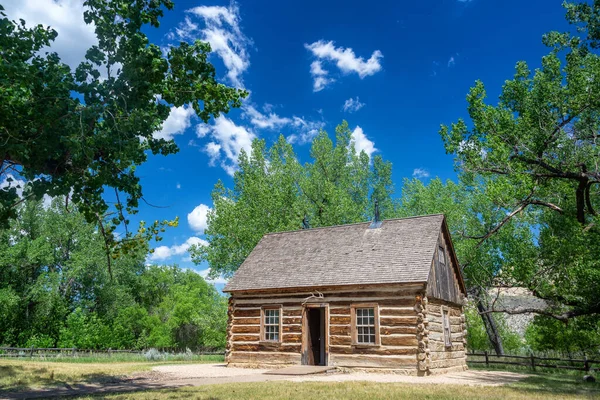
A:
(274, 192)
(580, 334)
(55, 289)
(470, 212)
(535, 156)
(78, 132)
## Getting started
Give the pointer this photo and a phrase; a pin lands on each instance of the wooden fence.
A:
(31, 352)
(533, 361)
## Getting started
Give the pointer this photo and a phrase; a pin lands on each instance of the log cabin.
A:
(378, 295)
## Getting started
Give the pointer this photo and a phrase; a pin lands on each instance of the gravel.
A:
(188, 371)
(231, 375)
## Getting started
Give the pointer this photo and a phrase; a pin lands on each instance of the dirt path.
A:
(175, 376)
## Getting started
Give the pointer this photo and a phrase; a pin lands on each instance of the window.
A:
(446, 326)
(442, 256)
(365, 324)
(271, 324)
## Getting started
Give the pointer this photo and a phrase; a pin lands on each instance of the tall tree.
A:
(535, 155)
(82, 131)
(471, 213)
(55, 289)
(274, 192)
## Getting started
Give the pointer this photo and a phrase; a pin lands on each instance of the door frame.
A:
(305, 345)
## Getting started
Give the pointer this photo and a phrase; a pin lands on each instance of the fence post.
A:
(31, 352)
(109, 352)
(487, 361)
(532, 361)
(73, 352)
(586, 363)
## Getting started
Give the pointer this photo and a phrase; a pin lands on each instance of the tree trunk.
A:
(491, 328)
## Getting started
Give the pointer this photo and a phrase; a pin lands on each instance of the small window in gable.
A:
(447, 330)
(442, 255)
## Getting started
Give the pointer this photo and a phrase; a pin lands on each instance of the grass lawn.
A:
(23, 374)
(19, 374)
(535, 387)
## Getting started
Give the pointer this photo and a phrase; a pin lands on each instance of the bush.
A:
(154, 355)
(84, 331)
(40, 340)
(477, 338)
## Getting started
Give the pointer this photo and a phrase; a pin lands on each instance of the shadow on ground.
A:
(17, 379)
(559, 384)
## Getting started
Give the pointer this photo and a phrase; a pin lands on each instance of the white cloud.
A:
(178, 121)
(204, 273)
(321, 81)
(228, 140)
(10, 182)
(352, 105)
(19, 186)
(344, 59)
(362, 143)
(198, 218)
(65, 17)
(420, 173)
(222, 30)
(262, 121)
(164, 252)
(306, 130)
(202, 130)
(451, 62)
(212, 149)
(178, 186)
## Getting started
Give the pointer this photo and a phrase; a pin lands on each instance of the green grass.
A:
(122, 357)
(26, 374)
(534, 388)
(20, 374)
(527, 369)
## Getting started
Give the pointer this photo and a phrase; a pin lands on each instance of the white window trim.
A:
(354, 328)
(263, 333)
(446, 327)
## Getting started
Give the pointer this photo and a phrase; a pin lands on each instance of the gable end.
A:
(445, 281)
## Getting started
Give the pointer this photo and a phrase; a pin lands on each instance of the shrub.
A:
(154, 355)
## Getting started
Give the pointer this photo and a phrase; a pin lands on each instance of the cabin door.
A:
(314, 338)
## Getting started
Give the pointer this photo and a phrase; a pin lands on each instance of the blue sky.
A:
(394, 70)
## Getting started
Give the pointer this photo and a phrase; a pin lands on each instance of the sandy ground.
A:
(199, 371)
(175, 376)
(187, 371)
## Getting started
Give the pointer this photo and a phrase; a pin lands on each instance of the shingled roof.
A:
(400, 251)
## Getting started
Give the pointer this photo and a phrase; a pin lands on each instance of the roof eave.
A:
(349, 285)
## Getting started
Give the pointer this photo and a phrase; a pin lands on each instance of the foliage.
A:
(534, 156)
(81, 131)
(55, 290)
(274, 192)
(581, 334)
(477, 337)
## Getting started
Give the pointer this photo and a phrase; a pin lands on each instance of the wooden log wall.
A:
(441, 356)
(398, 322)
(443, 281)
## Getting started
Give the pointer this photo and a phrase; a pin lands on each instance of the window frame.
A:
(354, 328)
(442, 252)
(446, 327)
(263, 332)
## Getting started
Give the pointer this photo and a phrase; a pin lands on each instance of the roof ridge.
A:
(352, 224)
